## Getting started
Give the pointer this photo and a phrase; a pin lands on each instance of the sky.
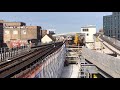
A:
(61, 22)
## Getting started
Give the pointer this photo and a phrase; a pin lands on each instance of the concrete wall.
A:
(109, 64)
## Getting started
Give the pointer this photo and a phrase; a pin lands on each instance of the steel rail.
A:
(26, 60)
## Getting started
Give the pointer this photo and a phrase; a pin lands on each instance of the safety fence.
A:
(7, 53)
(51, 66)
(107, 63)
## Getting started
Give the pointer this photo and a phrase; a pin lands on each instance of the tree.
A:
(76, 40)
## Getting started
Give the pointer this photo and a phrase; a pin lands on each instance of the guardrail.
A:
(7, 53)
(112, 41)
(108, 64)
(51, 67)
(15, 66)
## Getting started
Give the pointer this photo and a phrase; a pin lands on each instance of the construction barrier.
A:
(51, 66)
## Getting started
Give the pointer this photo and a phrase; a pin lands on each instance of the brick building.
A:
(1, 35)
(44, 32)
(18, 32)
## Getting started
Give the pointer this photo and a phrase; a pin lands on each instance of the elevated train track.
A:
(21, 63)
(112, 44)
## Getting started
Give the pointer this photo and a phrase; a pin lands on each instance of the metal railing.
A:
(7, 53)
(50, 67)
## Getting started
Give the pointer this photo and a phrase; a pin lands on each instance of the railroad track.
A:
(111, 43)
(40, 62)
(19, 64)
(12, 60)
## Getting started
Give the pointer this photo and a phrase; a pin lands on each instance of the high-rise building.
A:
(111, 25)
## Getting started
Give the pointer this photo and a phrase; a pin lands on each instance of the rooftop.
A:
(89, 26)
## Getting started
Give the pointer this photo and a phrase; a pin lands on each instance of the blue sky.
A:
(62, 22)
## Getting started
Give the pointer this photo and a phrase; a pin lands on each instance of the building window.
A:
(85, 30)
(6, 32)
(118, 36)
(87, 34)
(24, 31)
(15, 32)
